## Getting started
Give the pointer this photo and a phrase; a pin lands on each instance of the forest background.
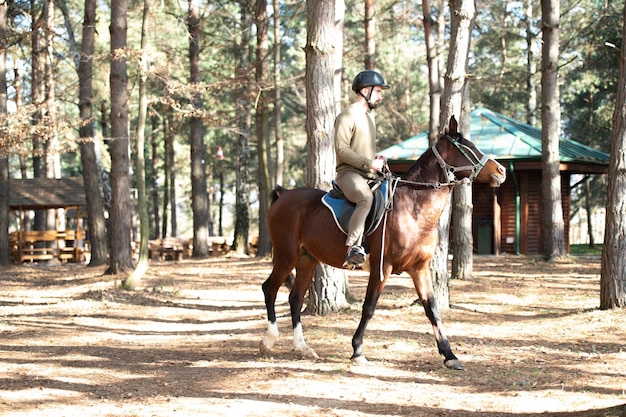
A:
(243, 116)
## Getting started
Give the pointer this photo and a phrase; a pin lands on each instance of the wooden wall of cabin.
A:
(530, 213)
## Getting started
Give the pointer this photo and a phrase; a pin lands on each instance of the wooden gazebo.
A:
(34, 194)
(508, 219)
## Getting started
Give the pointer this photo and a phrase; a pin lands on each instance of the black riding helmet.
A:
(368, 78)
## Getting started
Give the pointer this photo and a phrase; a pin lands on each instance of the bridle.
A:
(450, 171)
(476, 166)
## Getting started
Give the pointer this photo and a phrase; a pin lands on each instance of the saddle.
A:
(342, 208)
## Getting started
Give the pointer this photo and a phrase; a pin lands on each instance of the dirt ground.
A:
(528, 333)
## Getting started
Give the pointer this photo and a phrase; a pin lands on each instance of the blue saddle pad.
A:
(342, 209)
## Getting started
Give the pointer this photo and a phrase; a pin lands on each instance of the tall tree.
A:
(370, 34)
(278, 135)
(52, 148)
(4, 157)
(121, 207)
(328, 290)
(462, 241)
(262, 123)
(242, 121)
(170, 173)
(613, 271)
(462, 13)
(531, 64)
(51, 145)
(154, 183)
(35, 97)
(89, 159)
(199, 195)
(433, 58)
(552, 225)
(131, 282)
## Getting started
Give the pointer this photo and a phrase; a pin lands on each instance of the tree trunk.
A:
(36, 94)
(370, 34)
(613, 270)
(262, 125)
(166, 177)
(242, 120)
(462, 14)
(4, 159)
(552, 225)
(434, 73)
(89, 160)
(199, 196)
(52, 151)
(340, 16)
(280, 152)
(531, 66)
(327, 291)
(121, 207)
(154, 156)
(589, 211)
(462, 244)
(133, 280)
(171, 173)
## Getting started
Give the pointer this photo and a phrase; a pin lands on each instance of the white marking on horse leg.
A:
(300, 345)
(270, 338)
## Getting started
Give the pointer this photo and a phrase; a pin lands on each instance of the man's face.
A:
(375, 96)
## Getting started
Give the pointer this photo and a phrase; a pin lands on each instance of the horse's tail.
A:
(276, 192)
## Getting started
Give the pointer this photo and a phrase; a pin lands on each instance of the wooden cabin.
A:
(508, 219)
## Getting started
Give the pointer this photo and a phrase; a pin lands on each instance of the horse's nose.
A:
(501, 169)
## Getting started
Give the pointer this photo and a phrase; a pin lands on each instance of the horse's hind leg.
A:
(270, 287)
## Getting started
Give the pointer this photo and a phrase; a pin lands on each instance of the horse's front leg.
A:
(304, 276)
(374, 288)
(424, 287)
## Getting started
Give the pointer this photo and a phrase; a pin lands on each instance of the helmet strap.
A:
(368, 98)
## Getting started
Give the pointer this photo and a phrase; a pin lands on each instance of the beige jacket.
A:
(355, 141)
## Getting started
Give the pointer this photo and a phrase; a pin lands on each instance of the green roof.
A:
(505, 139)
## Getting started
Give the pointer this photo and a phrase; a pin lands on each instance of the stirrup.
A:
(355, 257)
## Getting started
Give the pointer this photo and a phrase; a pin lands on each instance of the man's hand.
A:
(377, 164)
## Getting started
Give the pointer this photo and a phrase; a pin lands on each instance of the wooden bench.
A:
(74, 247)
(168, 249)
(217, 246)
(45, 245)
(35, 245)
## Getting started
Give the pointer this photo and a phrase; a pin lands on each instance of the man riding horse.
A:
(357, 162)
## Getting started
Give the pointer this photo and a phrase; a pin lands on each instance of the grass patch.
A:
(585, 250)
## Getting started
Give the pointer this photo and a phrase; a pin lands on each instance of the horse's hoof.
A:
(453, 364)
(264, 349)
(359, 360)
(308, 353)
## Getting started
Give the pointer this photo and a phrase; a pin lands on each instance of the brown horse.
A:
(304, 233)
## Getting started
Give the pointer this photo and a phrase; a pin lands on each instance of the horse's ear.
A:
(454, 126)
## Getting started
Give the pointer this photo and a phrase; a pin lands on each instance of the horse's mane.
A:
(415, 171)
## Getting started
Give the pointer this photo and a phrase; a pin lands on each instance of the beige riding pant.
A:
(357, 190)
